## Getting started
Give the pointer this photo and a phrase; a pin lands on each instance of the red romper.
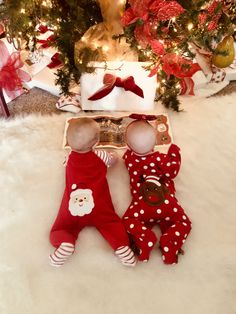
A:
(87, 202)
(141, 217)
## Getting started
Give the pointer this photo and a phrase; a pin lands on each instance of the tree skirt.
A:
(93, 281)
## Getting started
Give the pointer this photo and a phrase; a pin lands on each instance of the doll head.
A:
(82, 134)
(140, 137)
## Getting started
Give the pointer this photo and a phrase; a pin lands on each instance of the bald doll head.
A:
(140, 137)
(82, 134)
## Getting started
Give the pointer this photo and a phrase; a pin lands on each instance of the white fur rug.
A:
(93, 281)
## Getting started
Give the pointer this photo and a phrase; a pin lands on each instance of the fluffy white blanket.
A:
(93, 281)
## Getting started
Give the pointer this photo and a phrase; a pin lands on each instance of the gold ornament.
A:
(225, 53)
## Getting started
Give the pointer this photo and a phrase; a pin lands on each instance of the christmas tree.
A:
(178, 38)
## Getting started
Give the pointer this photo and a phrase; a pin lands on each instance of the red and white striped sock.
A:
(126, 256)
(61, 254)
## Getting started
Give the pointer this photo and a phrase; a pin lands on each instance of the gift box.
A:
(118, 86)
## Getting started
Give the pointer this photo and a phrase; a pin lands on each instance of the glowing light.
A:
(22, 11)
(105, 48)
(190, 26)
(44, 3)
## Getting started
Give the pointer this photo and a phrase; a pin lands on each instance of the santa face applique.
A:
(81, 202)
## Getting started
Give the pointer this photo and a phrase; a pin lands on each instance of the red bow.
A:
(43, 29)
(145, 117)
(110, 81)
(11, 76)
(46, 43)
(55, 61)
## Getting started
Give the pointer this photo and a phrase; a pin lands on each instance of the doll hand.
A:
(112, 159)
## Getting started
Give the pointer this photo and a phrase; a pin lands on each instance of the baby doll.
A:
(153, 195)
(86, 200)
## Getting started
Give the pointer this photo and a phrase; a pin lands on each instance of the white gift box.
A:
(118, 99)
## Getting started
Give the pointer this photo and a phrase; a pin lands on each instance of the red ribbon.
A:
(55, 61)
(110, 81)
(145, 117)
(44, 28)
(187, 86)
(11, 76)
(46, 43)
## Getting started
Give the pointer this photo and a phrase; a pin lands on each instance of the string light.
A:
(190, 26)
(22, 11)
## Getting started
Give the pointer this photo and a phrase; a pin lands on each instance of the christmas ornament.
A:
(225, 53)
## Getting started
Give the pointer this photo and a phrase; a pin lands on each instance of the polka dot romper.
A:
(140, 217)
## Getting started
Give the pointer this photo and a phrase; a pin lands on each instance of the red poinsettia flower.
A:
(178, 66)
(166, 10)
(157, 47)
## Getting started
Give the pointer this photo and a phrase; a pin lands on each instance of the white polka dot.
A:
(158, 159)
(173, 226)
(140, 197)
(167, 184)
(141, 239)
(144, 228)
(185, 235)
(158, 211)
(126, 217)
(150, 244)
(172, 195)
(151, 220)
(184, 217)
(175, 209)
(183, 240)
(73, 186)
(131, 206)
(145, 167)
(138, 184)
(135, 214)
(175, 172)
(177, 233)
(167, 174)
(126, 156)
(173, 155)
(130, 165)
(175, 243)
(132, 180)
(136, 160)
(143, 158)
(166, 202)
(153, 170)
(134, 191)
(174, 162)
(135, 173)
(168, 164)
(166, 249)
(142, 235)
(167, 218)
(142, 211)
(177, 252)
(131, 226)
(135, 203)
(184, 223)
(152, 164)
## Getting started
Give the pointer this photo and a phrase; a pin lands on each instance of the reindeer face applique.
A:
(152, 193)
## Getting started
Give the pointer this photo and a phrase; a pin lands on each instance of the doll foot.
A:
(146, 248)
(61, 254)
(126, 256)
